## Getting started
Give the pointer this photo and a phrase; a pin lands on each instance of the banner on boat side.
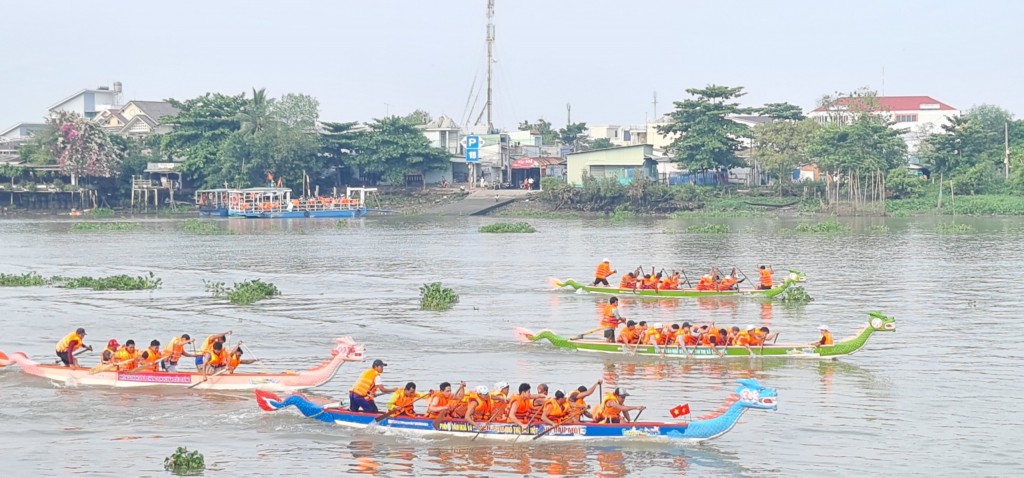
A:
(168, 378)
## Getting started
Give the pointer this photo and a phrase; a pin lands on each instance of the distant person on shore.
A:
(66, 347)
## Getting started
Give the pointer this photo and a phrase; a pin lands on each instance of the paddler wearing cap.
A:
(361, 394)
(108, 355)
(66, 347)
(603, 272)
(613, 408)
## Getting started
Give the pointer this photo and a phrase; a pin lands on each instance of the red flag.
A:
(680, 410)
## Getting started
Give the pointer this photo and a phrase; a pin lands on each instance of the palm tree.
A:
(256, 113)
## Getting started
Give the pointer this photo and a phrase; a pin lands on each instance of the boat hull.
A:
(345, 350)
(675, 293)
(327, 213)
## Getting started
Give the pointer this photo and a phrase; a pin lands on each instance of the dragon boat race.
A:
(923, 400)
(488, 238)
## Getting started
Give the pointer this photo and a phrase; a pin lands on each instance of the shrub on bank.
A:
(830, 226)
(507, 227)
(709, 229)
(105, 226)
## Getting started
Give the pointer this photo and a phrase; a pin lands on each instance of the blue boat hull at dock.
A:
(327, 213)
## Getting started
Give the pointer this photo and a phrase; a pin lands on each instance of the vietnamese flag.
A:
(680, 410)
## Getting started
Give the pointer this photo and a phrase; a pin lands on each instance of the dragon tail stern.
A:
(268, 401)
(4, 360)
(524, 335)
(554, 283)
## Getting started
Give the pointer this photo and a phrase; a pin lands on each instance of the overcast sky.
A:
(363, 59)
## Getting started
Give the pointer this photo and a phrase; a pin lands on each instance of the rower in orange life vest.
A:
(826, 337)
(610, 319)
(520, 411)
(109, 354)
(707, 282)
(628, 281)
(443, 400)
(613, 407)
(577, 400)
(628, 334)
(127, 357)
(361, 394)
(174, 351)
(604, 270)
(766, 278)
(729, 282)
(149, 360)
(555, 409)
(670, 283)
(403, 401)
(235, 359)
(207, 345)
(216, 358)
(66, 347)
(478, 405)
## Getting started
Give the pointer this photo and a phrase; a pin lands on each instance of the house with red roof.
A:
(919, 116)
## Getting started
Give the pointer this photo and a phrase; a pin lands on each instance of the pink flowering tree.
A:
(82, 148)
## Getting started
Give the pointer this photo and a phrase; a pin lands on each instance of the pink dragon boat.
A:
(345, 350)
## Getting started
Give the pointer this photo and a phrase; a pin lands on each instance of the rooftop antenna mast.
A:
(490, 60)
(655, 102)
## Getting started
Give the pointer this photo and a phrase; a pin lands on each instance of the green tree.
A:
(599, 143)
(542, 128)
(781, 111)
(200, 130)
(704, 138)
(574, 135)
(256, 112)
(338, 142)
(856, 157)
(419, 117)
(393, 148)
(782, 146)
(37, 149)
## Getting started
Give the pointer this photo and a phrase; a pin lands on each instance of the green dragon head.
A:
(796, 276)
(881, 322)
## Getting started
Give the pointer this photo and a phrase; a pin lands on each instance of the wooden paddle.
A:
(745, 278)
(397, 410)
(580, 336)
(567, 418)
(194, 385)
(493, 415)
(637, 417)
(528, 421)
(683, 272)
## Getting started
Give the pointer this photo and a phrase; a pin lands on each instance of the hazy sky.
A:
(363, 59)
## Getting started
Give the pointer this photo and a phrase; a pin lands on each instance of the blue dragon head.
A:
(754, 395)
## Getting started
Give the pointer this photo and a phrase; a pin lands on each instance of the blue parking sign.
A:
(472, 155)
(472, 149)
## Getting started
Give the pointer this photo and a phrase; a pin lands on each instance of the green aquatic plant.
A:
(795, 295)
(878, 229)
(434, 296)
(538, 214)
(242, 293)
(196, 226)
(185, 463)
(104, 226)
(28, 279)
(954, 228)
(115, 282)
(100, 213)
(507, 227)
(830, 226)
(709, 229)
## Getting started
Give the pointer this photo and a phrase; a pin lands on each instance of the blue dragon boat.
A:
(749, 395)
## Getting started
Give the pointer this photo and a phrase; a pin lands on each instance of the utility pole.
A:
(568, 114)
(655, 103)
(1006, 149)
(490, 60)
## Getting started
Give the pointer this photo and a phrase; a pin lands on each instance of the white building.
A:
(918, 115)
(88, 102)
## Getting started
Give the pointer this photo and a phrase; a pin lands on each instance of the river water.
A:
(938, 397)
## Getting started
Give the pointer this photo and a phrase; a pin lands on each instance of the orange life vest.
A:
(826, 338)
(756, 338)
(69, 343)
(217, 359)
(108, 355)
(365, 386)
(130, 359)
(603, 271)
(524, 409)
(627, 335)
(742, 338)
(208, 344)
(706, 283)
(175, 349)
(556, 409)
(727, 283)
(608, 318)
(151, 360)
(404, 403)
(606, 413)
(483, 404)
(766, 278)
(627, 282)
(233, 362)
(437, 399)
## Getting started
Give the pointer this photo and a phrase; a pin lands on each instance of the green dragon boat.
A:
(878, 322)
(793, 277)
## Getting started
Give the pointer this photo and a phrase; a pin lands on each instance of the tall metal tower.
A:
(490, 60)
